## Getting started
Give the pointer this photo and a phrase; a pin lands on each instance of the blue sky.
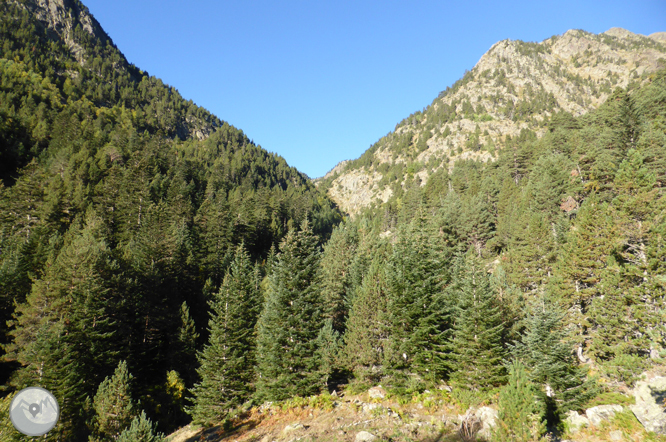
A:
(319, 82)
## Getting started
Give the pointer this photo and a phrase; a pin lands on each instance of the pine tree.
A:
(227, 361)
(477, 348)
(416, 273)
(63, 333)
(532, 251)
(583, 259)
(113, 405)
(335, 275)
(290, 321)
(519, 417)
(141, 430)
(368, 326)
(184, 350)
(626, 303)
(550, 362)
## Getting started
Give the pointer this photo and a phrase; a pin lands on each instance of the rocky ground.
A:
(431, 416)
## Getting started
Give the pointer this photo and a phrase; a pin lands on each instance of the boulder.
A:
(364, 436)
(575, 421)
(649, 408)
(488, 417)
(377, 392)
(600, 413)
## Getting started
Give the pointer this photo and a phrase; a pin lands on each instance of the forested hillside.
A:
(121, 207)
(538, 275)
(157, 268)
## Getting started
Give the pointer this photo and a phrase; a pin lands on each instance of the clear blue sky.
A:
(319, 82)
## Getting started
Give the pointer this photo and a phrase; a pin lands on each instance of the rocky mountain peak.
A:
(61, 17)
(515, 86)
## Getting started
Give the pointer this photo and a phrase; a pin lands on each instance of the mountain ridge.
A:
(515, 86)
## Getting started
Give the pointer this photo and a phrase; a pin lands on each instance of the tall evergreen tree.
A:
(335, 275)
(368, 326)
(227, 361)
(416, 273)
(184, 349)
(63, 333)
(477, 347)
(550, 361)
(583, 259)
(290, 322)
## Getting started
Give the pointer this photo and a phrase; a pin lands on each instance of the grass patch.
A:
(609, 398)
(465, 399)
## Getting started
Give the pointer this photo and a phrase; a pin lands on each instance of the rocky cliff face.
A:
(515, 86)
(61, 17)
(64, 19)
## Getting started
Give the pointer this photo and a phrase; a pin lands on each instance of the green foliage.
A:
(113, 406)
(368, 326)
(290, 321)
(610, 398)
(141, 430)
(561, 384)
(335, 275)
(227, 361)
(419, 314)
(477, 347)
(519, 414)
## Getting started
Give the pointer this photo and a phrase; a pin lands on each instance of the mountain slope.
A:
(514, 87)
(121, 206)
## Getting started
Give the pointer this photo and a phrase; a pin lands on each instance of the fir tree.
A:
(290, 322)
(113, 405)
(415, 276)
(335, 275)
(227, 361)
(328, 348)
(519, 417)
(477, 348)
(184, 351)
(63, 333)
(550, 362)
(140, 430)
(368, 325)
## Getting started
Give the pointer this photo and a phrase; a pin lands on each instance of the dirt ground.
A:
(341, 421)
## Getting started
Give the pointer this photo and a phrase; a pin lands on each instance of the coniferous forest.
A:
(150, 278)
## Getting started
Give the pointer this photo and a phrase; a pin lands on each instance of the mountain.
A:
(515, 87)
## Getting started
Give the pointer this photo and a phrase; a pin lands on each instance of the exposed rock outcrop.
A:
(602, 413)
(650, 393)
(575, 421)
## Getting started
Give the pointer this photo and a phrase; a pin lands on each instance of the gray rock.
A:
(293, 427)
(575, 421)
(364, 436)
(601, 413)
(377, 392)
(616, 435)
(488, 417)
(649, 409)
